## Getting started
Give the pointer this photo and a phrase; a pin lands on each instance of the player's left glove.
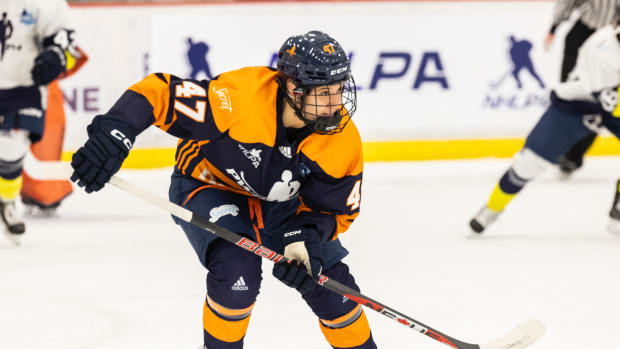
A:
(48, 65)
(303, 249)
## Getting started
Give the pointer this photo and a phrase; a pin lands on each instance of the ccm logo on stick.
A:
(292, 233)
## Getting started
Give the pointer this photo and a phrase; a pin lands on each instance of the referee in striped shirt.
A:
(593, 14)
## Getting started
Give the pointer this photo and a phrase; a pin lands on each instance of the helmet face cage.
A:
(313, 102)
(316, 62)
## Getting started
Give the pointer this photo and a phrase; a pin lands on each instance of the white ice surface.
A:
(112, 272)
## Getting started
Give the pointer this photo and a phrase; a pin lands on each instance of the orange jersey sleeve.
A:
(178, 106)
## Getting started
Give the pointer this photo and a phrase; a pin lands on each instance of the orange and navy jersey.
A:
(231, 136)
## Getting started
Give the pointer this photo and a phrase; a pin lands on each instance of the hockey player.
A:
(37, 46)
(270, 154)
(586, 102)
(43, 197)
(593, 15)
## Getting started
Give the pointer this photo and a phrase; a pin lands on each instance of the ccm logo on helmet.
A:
(338, 71)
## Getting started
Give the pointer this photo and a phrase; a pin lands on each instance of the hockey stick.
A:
(519, 338)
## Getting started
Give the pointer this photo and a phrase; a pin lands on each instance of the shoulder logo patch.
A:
(225, 102)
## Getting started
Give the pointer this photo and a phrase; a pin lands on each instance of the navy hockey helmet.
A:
(312, 60)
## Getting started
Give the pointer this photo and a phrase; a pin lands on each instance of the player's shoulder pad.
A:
(244, 102)
(338, 155)
(156, 89)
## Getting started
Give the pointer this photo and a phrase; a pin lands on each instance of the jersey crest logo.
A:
(27, 18)
(220, 211)
(285, 190)
(280, 191)
(286, 151)
(6, 31)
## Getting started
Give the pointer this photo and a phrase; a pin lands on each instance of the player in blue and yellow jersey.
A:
(270, 154)
(586, 102)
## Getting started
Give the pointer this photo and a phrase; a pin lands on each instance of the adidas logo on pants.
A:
(239, 285)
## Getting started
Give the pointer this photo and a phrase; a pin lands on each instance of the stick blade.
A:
(521, 337)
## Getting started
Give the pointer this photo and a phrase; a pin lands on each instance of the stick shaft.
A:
(275, 257)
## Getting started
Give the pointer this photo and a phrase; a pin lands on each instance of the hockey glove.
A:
(303, 250)
(608, 98)
(48, 65)
(108, 144)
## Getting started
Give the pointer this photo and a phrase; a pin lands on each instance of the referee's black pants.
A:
(574, 39)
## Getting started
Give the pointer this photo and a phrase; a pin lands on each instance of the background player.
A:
(44, 196)
(593, 15)
(37, 46)
(271, 154)
(588, 100)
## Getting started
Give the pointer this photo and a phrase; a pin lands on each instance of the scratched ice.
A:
(112, 272)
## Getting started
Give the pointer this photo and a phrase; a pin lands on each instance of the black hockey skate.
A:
(35, 208)
(614, 214)
(14, 227)
(573, 159)
(483, 219)
(568, 166)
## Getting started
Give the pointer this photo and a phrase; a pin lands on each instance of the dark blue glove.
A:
(48, 65)
(108, 144)
(303, 250)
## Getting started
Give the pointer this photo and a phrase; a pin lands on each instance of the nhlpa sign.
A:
(391, 65)
(430, 70)
(520, 85)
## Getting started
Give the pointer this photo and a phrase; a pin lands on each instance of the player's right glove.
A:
(303, 250)
(108, 144)
(48, 65)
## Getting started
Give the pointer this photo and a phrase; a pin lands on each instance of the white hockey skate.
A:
(14, 227)
(613, 227)
(483, 219)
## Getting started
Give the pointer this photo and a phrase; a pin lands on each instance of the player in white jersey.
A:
(587, 101)
(36, 45)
